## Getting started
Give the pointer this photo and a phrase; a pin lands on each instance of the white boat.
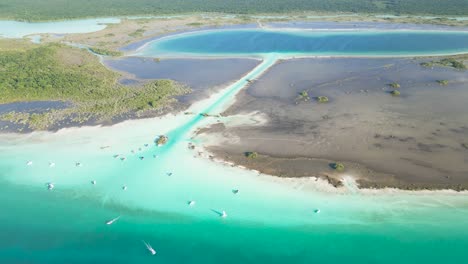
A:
(93, 182)
(29, 163)
(235, 191)
(150, 248)
(224, 214)
(51, 164)
(50, 186)
(110, 222)
(78, 164)
(317, 211)
(191, 203)
(124, 188)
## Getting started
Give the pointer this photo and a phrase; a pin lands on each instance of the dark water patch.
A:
(130, 82)
(199, 74)
(33, 107)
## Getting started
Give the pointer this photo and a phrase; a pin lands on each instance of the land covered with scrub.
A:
(56, 72)
(33, 10)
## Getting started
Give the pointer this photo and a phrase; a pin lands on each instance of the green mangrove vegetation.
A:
(66, 9)
(446, 62)
(251, 155)
(443, 82)
(106, 52)
(395, 93)
(394, 85)
(55, 72)
(303, 96)
(162, 140)
(338, 166)
(322, 99)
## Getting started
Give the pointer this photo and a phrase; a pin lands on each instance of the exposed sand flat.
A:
(413, 141)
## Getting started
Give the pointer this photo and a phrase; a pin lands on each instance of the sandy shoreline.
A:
(318, 183)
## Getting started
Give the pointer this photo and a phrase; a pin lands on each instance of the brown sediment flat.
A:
(414, 141)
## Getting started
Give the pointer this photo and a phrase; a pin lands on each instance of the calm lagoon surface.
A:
(303, 42)
(269, 220)
(17, 29)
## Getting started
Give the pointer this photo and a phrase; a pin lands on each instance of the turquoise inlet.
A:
(304, 42)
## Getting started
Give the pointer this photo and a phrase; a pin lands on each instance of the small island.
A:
(162, 140)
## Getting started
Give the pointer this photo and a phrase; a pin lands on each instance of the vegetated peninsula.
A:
(56, 72)
(33, 10)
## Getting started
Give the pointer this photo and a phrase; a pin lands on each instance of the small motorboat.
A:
(191, 203)
(317, 211)
(150, 248)
(29, 163)
(142, 158)
(50, 186)
(93, 182)
(169, 174)
(124, 188)
(123, 158)
(78, 164)
(235, 191)
(223, 214)
(110, 222)
(51, 164)
(146, 145)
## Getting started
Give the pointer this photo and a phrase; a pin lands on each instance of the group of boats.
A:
(160, 141)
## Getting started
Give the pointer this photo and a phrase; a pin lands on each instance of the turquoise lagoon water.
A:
(302, 42)
(270, 220)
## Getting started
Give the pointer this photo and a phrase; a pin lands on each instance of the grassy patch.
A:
(138, 33)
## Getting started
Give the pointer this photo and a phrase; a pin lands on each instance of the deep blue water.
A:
(310, 42)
